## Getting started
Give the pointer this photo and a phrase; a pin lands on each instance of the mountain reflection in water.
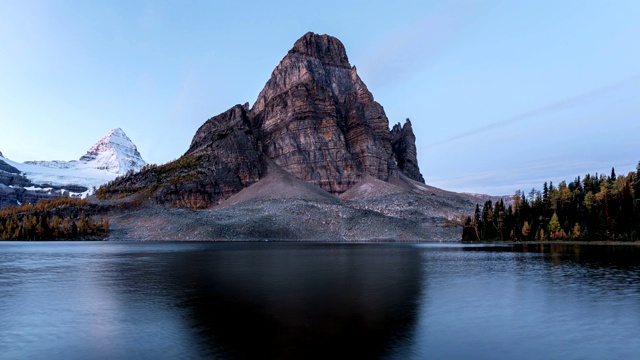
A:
(131, 300)
(276, 301)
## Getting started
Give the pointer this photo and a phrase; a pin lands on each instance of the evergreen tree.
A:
(613, 176)
(477, 223)
(487, 232)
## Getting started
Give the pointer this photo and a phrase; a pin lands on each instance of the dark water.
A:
(266, 300)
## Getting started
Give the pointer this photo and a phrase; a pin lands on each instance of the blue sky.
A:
(503, 95)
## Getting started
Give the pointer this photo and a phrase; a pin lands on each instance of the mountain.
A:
(115, 152)
(114, 155)
(315, 118)
(313, 159)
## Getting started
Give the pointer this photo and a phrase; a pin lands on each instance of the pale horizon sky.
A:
(502, 95)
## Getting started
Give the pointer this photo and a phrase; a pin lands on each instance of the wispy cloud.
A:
(529, 176)
(419, 44)
(545, 110)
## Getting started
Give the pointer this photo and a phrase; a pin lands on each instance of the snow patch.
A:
(35, 188)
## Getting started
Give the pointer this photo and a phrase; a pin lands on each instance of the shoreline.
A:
(317, 241)
(551, 242)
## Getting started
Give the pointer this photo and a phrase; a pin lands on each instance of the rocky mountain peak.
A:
(115, 152)
(116, 136)
(1, 154)
(316, 118)
(328, 49)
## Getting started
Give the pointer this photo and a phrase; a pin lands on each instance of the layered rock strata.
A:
(318, 120)
(403, 143)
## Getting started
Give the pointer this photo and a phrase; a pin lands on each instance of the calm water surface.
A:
(276, 300)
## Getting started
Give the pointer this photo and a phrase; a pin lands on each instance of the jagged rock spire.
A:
(403, 142)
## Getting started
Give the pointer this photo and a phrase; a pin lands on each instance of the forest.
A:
(56, 219)
(596, 207)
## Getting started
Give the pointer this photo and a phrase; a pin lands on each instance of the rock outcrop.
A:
(317, 119)
(403, 142)
(7, 168)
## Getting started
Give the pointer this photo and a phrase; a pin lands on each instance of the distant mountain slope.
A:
(115, 153)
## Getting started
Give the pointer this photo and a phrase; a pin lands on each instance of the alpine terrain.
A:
(314, 158)
(114, 155)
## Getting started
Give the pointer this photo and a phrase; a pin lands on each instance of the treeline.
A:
(597, 207)
(55, 219)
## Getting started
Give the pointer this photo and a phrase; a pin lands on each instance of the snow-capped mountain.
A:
(115, 154)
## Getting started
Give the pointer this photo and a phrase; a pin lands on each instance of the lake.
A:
(132, 300)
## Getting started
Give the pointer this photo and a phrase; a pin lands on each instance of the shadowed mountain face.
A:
(293, 302)
(403, 142)
(315, 118)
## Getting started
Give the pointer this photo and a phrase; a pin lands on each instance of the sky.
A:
(502, 95)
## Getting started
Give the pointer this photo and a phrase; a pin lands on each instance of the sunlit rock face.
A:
(317, 119)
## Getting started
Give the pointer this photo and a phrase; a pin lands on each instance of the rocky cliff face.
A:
(403, 142)
(315, 118)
